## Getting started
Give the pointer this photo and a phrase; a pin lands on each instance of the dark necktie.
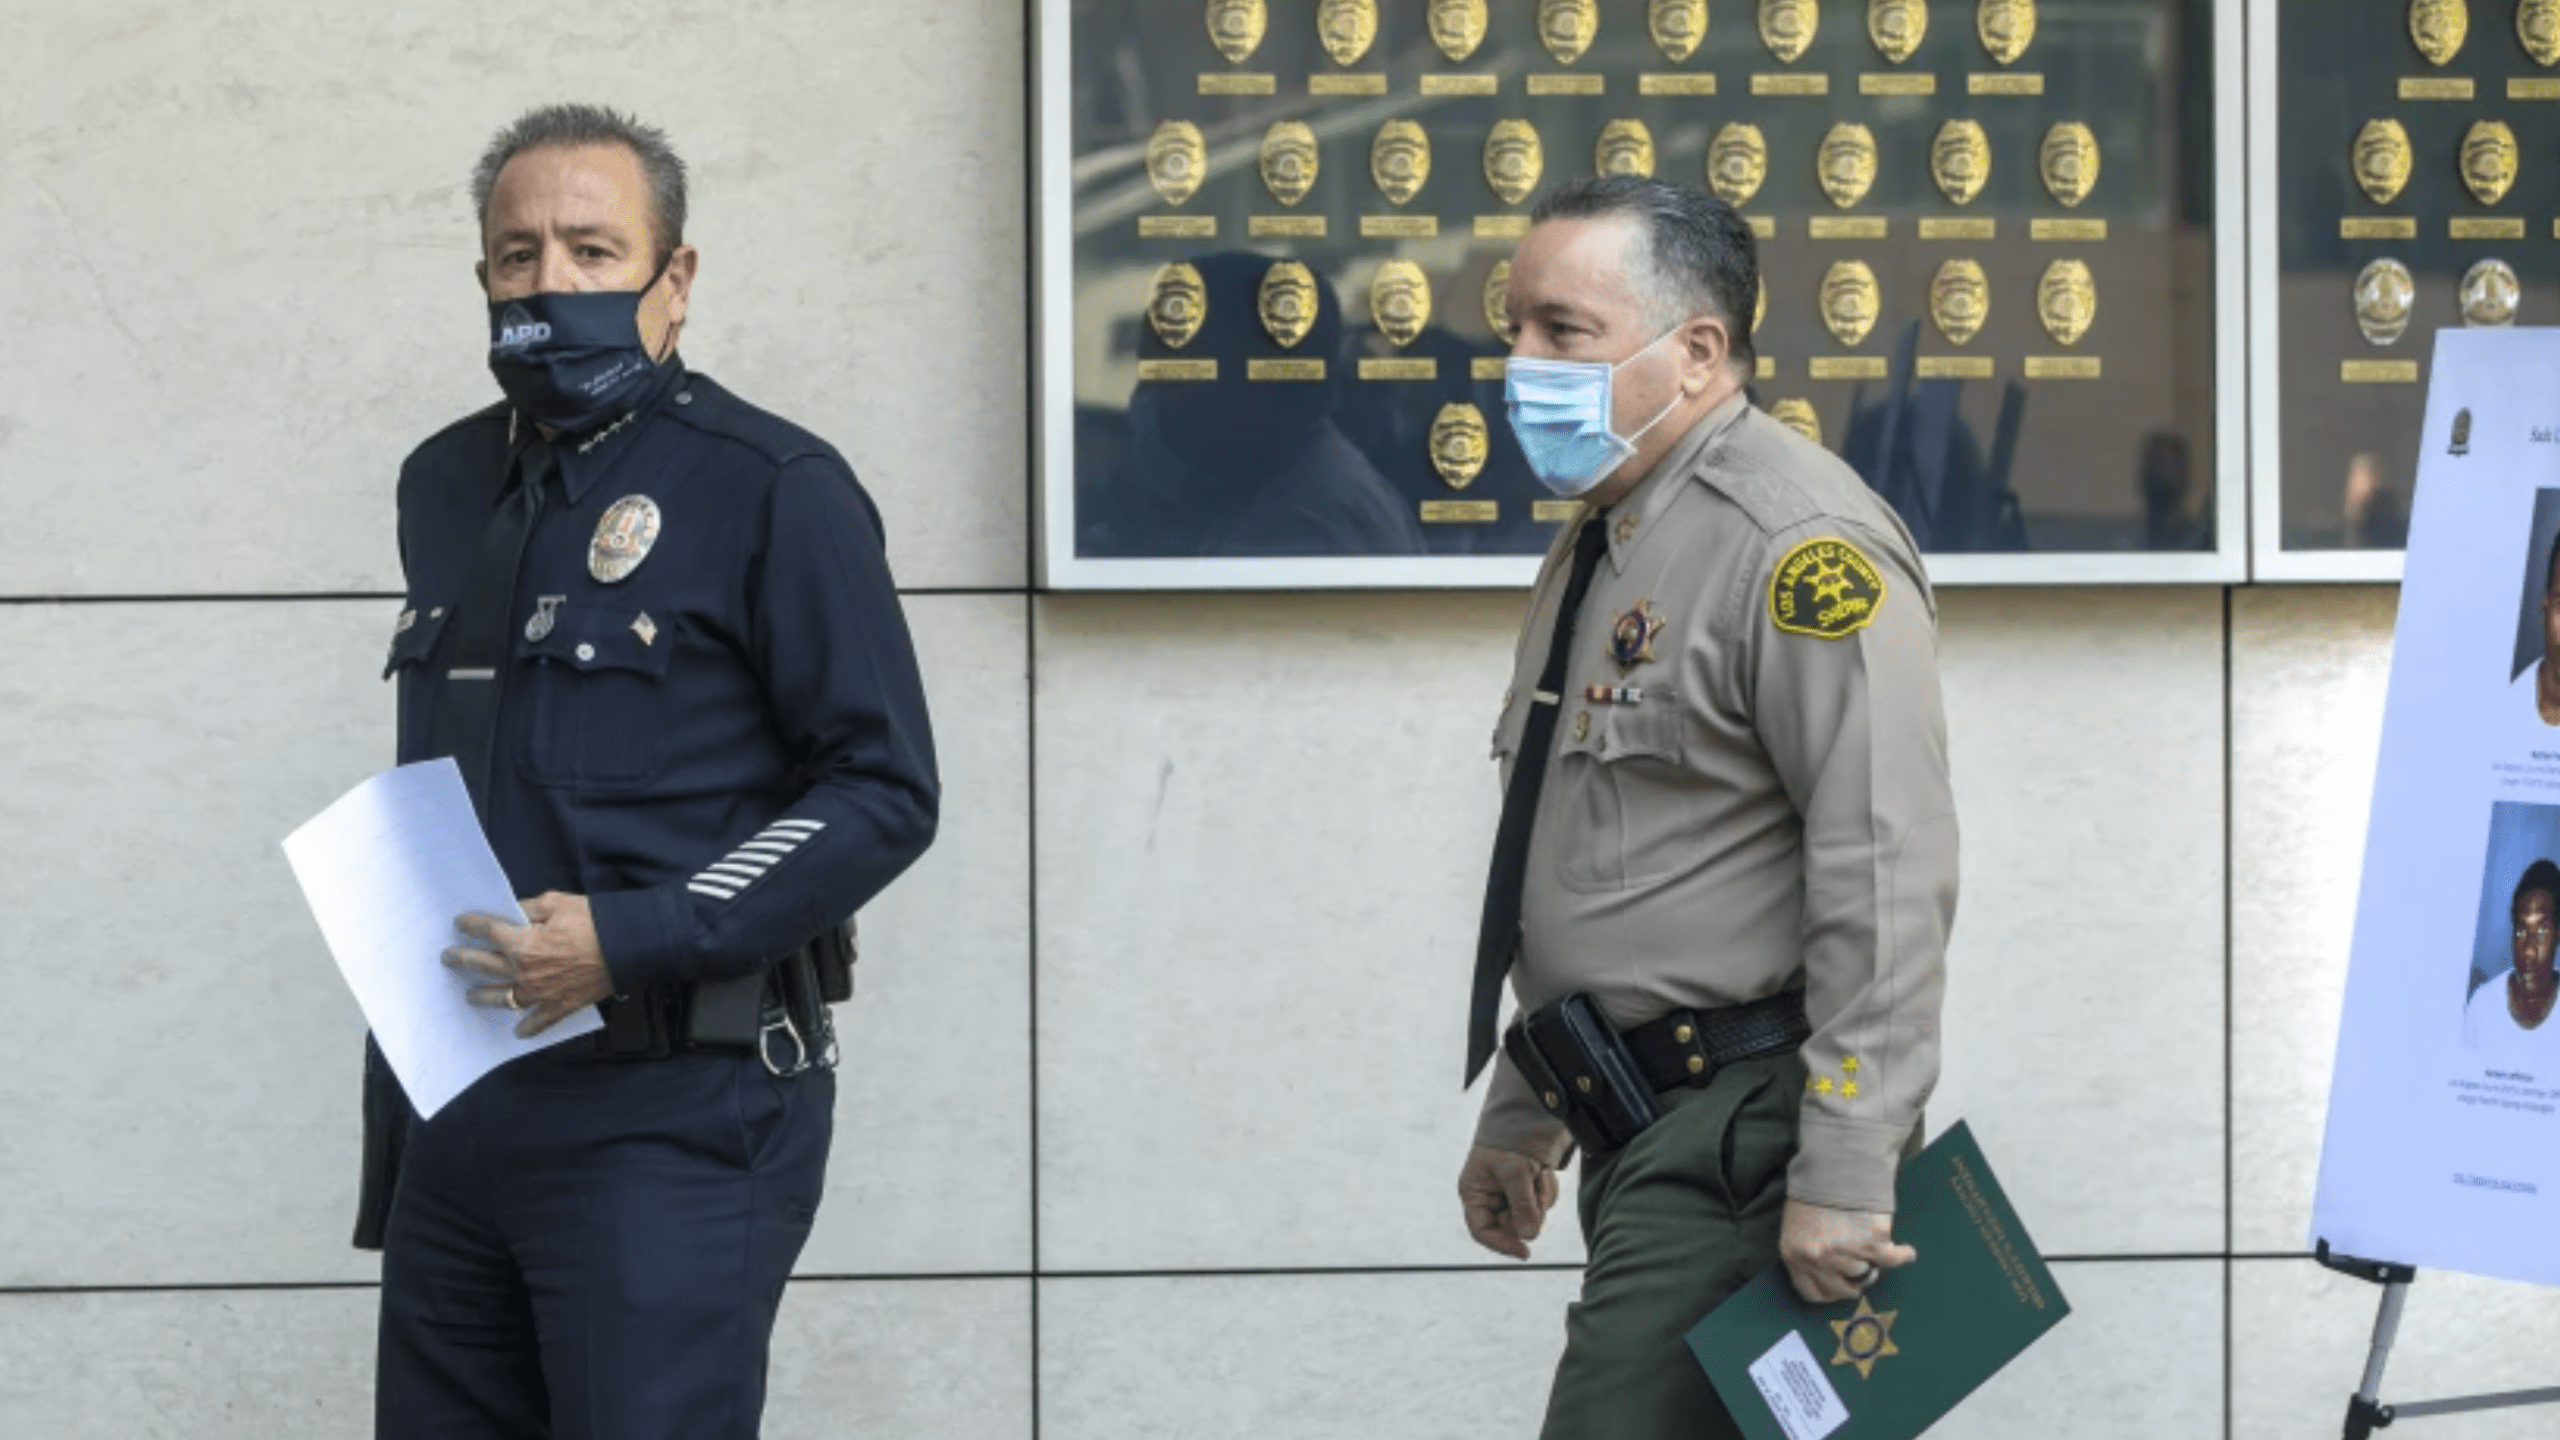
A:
(1500, 935)
(465, 722)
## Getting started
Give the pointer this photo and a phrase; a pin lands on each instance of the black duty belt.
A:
(1600, 1081)
(777, 1012)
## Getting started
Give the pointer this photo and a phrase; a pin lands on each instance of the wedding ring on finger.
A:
(1865, 1276)
(514, 1002)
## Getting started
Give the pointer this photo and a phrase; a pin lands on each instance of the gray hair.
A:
(591, 125)
(1698, 255)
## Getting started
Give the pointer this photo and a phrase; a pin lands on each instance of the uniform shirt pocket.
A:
(595, 683)
(1618, 812)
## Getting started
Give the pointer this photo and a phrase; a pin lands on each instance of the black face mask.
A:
(571, 359)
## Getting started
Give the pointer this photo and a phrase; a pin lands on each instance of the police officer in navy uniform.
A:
(655, 629)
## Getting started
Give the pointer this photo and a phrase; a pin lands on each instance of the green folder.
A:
(1888, 1365)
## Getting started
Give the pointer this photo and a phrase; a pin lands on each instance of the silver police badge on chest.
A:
(623, 538)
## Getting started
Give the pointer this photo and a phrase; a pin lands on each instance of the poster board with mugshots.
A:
(1273, 241)
(2409, 161)
(2443, 1142)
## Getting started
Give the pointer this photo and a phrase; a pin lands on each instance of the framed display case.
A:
(1271, 239)
(2403, 154)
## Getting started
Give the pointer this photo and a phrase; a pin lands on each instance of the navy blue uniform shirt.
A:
(727, 751)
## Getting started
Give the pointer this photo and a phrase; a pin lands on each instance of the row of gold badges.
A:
(1568, 28)
(1515, 160)
(1460, 445)
(1400, 306)
(2386, 297)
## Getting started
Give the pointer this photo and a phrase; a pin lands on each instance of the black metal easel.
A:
(2365, 1411)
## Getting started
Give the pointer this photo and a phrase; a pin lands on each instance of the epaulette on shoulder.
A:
(1739, 467)
(713, 410)
(493, 413)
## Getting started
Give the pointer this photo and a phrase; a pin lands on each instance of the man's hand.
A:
(550, 969)
(1506, 1196)
(1831, 1255)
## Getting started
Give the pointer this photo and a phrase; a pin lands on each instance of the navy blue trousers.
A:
(585, 1249)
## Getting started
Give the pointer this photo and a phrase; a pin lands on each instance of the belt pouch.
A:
(727, 1014)
(1583, 1072)
(635, 1026)
(836, 948)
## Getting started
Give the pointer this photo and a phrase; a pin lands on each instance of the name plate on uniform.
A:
(2063, 367)
(1968, 227)
(1555, 512)
(2004, 84)
(2435, 87)
(1954, 367)
(2534, 87)
(1177, 227)
(2070, 230)
(1392, 369)
(1501, 227)
(1461, 84)
(2486, 227)
(1177, 369)
(1284, 369)
(1558, 84)
(1399, 227)
(1846, 367)
(2378, 372)
(1897, 84)
(1658, 83)
(1461, 512)
(1371, 83)
(1239, 84)
(2378, 227)
(1487, 367)
(1286, 227)
(1790, 84)
(1846, 227)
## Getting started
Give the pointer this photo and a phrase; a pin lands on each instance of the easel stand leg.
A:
(2365, 1412)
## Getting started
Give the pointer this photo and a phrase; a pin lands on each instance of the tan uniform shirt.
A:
(1756, 796)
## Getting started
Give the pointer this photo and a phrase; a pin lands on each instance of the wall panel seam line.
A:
(2230, 1230)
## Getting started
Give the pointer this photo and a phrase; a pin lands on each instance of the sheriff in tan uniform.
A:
(1747, 795)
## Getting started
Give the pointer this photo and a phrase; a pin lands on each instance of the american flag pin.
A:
(645, 628)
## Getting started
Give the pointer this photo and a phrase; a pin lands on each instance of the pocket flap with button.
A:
(412, 636)
(591, 638)
(1650, 727)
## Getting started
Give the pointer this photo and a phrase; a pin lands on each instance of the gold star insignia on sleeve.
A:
(1850, 1064)
(1822, 1086)
(1848, 1089)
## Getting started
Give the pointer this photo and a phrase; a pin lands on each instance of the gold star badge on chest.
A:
(1865, 1337)
(1631, 638)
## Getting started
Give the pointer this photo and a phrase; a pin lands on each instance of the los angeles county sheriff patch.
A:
(1825, 588)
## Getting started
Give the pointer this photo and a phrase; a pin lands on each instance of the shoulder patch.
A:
(1825, 588)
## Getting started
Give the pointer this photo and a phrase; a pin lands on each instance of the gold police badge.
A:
(1459, 445)
(1826, 588)
(1737, 161)
(1787, 27)
(1178, 306)
(2067, 300)
(1848, 163)
(2438, 28)
(2489, 160)
(1513, 160)
(1400, 301)
(1960, 160)
(1896, 27)
(1865, 1338)
(1625, 148)
(2489, 294)
(1289, 161)
(1347, 28)
(1286, 302)
(1850, 301)
(2068, 161)
(1457, 26)
(1400, 160)
(2384, 293)
(624, 533)
(1959, 298)
(1676, 26)
(1177, 160)
(2538, 30)
(2382, 160)
(2007, 28)
(1632, 634)
(1236, 27)
(1566, 27)
(1497, 301)
(1799, 416)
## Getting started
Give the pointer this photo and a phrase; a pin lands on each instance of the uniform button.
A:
(1684, 1034)
(1697, 1063)
(684, 397)
(1582, 726)
(1553, 1100)
(436, 614)
(1582, 1083)
(586, 652)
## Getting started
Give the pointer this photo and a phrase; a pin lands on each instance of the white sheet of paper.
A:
(386, 870)
(1799, 1396)
(2443, 1142)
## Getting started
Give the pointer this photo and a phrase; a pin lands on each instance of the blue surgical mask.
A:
(1560, 411)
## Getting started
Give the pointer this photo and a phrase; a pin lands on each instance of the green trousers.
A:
(1674, 1223)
